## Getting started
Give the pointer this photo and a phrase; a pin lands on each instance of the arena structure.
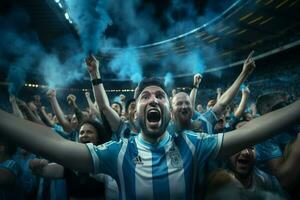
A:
(222, 41)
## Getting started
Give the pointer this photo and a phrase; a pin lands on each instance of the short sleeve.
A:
(105, 157)
(211, 117)
(207, 146)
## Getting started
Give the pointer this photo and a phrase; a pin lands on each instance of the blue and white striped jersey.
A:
(165, 170)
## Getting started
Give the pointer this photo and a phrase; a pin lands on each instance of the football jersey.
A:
(164, 170)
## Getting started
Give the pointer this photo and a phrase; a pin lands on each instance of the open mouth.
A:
(184, 112)
(153, 115)
(243, 161)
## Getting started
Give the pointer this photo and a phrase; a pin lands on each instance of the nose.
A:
(245, 151)
(153, 101)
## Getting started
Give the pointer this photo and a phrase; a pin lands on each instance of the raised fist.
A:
(249, 64)
(246, 90)
(71, 98)
(32, 106)
(122, 97)
(87, 94)
(197, 79)
(92, 64)
(51, 93)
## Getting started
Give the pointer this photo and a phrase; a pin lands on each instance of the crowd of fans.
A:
(153, 146)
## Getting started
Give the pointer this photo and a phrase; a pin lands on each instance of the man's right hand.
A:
(87, 94)
(197, 79)
(246, 91)
(92, 66)
(71, 98)
(51, 93)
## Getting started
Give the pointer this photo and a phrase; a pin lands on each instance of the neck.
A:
(183, 126)
(152, 140)
(245, 180)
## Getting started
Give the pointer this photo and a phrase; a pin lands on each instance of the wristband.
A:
(97, 81)
(194, 86)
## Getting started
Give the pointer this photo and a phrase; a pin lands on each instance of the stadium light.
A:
(67, 16)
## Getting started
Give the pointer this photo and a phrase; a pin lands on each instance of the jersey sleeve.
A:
(105, 157)
(207, 146)
(211, 117)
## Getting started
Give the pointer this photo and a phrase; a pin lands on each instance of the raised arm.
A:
(100, 93)
(44, 142)
(260, 129)
(91, 104)
(16, 110)
(42, 167)
(58, 111)
(219, 93)
(230, 93)
(242, 106)
(193, 94)
(28, 112)
(71, 98)
(45, 117)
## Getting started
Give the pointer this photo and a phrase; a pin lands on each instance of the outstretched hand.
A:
(249, 64)
(51, 93)
(92, 64)
(71, 98)
(197, 79)
(246, 90)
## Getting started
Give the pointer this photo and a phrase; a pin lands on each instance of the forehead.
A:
(152, 89)
(181, 97)
(115, 104)
(87, 126)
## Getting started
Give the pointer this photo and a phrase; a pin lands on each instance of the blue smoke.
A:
(169, 80)
(91, 20)
(61, 74)
(126, 65)
(19, 50)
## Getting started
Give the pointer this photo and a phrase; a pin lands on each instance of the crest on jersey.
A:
(175, 158)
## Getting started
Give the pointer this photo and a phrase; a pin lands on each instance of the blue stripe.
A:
(160, 179)
(187, 159)
(128, 168)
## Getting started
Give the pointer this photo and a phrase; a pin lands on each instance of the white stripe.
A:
(95, 158)
(143, 173)
(215, 154)
(189, 143)
(119, 166)
(175, 172)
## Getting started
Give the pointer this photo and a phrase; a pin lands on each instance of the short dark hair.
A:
(266, 100)
(149, 82)
(103, 136)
